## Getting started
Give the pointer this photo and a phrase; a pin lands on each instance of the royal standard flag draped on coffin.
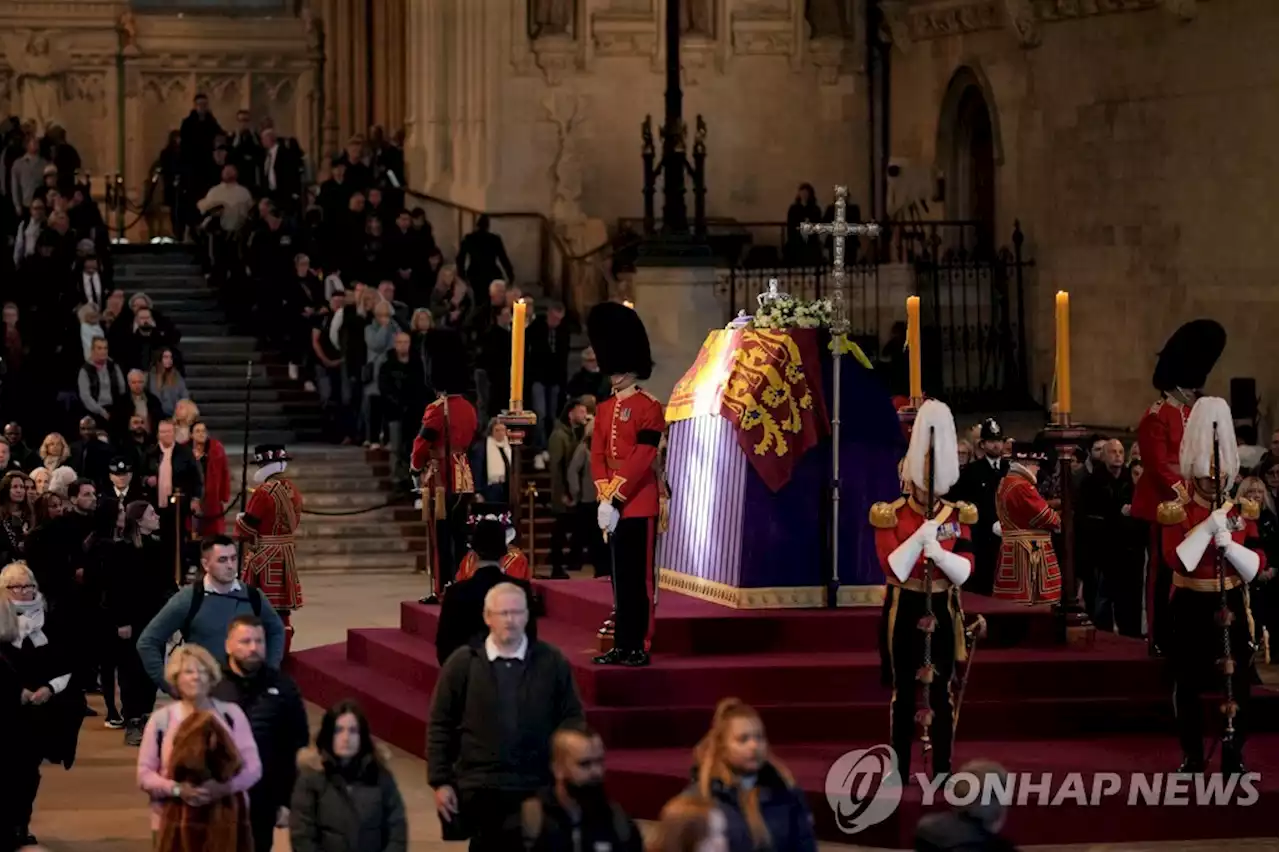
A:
(768, 383)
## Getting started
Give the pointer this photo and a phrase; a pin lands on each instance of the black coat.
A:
(782, 807)
(187, 473)
(357, 810)
(954, 832)
(462, 612)
(543, 825)
(135, 581)
(273, 705)
(55, 725)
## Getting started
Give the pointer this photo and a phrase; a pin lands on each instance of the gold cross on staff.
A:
(838, 230)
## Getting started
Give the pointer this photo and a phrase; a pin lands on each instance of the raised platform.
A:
(814, 675)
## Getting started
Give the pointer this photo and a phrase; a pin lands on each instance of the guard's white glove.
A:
(933, 550)
(1223, 539)
(927, 532)
(1218, 521)
(607, 517)
(953, 566)
(996, 529)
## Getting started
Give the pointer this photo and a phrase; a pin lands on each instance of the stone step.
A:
(194, 312)
(375, 505)
(212, 329)
(365, 546)
(338, 528)
(372, 562)
(259, 421)
(222, 410)
(262, 392)
(303, 469)
(304, 453)
(160, 270)
(362, 492)
(226, 384)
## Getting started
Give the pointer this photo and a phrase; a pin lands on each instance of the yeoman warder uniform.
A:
(1182, 368)
(624, 458)
(912, 541)
(268, 527)
(513, 563)
(439, 458)
(1194, 534)
(1027, 572)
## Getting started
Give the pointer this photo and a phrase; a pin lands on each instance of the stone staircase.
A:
(332, 479)
(216, 357)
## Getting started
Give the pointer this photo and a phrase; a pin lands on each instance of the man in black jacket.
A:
(971, 828)
(462, 612)
(273, 705)
(495, 707)
(977, 485)
(575, 813)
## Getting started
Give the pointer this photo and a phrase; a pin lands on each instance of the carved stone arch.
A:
(969, 151)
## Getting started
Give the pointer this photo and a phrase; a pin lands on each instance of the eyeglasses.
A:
(22, 587)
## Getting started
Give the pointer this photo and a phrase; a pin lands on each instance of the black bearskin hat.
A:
(450, 369)
(618, 337)
(1189, 355)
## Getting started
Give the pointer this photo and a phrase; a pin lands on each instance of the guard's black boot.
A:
(612, 657)
(1191, 766)
(634, 659)
(1232, 761)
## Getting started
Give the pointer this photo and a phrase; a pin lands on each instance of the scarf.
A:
(30, 622)
(497, 460)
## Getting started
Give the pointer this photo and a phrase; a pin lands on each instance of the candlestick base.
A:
(518, 421)
(1074, 627)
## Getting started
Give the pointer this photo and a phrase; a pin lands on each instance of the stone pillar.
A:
(346, 77)
(678, 306)
(387, 40)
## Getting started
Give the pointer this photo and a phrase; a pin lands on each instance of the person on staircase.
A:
(565, 439)
(438, 463)
(268, 526)
(212, 458)
(548, 373)
(624, 458)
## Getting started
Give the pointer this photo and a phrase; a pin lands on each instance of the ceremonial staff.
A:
(928, 623)
(1224, 613)
(244, 457)
(838, 230)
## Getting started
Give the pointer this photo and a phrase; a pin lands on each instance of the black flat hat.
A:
(269, 453)
(1189, 355)
(450, 371)
(619, 340)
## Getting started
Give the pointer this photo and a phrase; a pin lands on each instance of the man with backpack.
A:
(202, 612)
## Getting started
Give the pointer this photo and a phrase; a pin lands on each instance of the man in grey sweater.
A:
(26, 176)
(221, 598)
(100, 384)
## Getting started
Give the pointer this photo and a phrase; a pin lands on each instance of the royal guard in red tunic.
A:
(1201, 533)
(514, 564)
(624, 464)
(267, 527)
(1182, 369)
(1027, 572)
(439, 459)
(922, 625)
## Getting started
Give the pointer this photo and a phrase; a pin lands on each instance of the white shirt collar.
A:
(491, 649)
(208, 586)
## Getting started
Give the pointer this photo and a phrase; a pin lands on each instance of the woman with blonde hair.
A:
(194, 784)
(40, 479)
(690, 824)
(762, 806)
(54, 451)
(185, 415)
(50, 713)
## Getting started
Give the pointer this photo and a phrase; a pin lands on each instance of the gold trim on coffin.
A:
(775, 597)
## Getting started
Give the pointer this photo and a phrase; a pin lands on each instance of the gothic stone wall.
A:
(490, 105)
(1139, 151)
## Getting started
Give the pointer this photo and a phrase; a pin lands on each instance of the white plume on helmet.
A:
(933, 418)
(1195, 456)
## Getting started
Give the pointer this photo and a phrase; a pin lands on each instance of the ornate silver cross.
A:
(838, 230)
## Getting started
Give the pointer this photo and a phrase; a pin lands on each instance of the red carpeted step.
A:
(397, 713)
(691, 626)
(645, 779)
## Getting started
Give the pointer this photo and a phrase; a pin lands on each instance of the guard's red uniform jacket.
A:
(897, 521)
(514, 564)
(1028, 568)
(1159, 440)
(1178, 518)
(267, 527)
(624, 450)
(461, 430)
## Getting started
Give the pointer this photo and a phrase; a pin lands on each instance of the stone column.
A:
(678, 305)
(387, 41)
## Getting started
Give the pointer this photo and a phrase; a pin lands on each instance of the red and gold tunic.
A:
(1178, 518)
(624, 451)
(1159, 441)
(457, 428)
(897, 521)
(514, 565)
(1028, 568)
(267, 528)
